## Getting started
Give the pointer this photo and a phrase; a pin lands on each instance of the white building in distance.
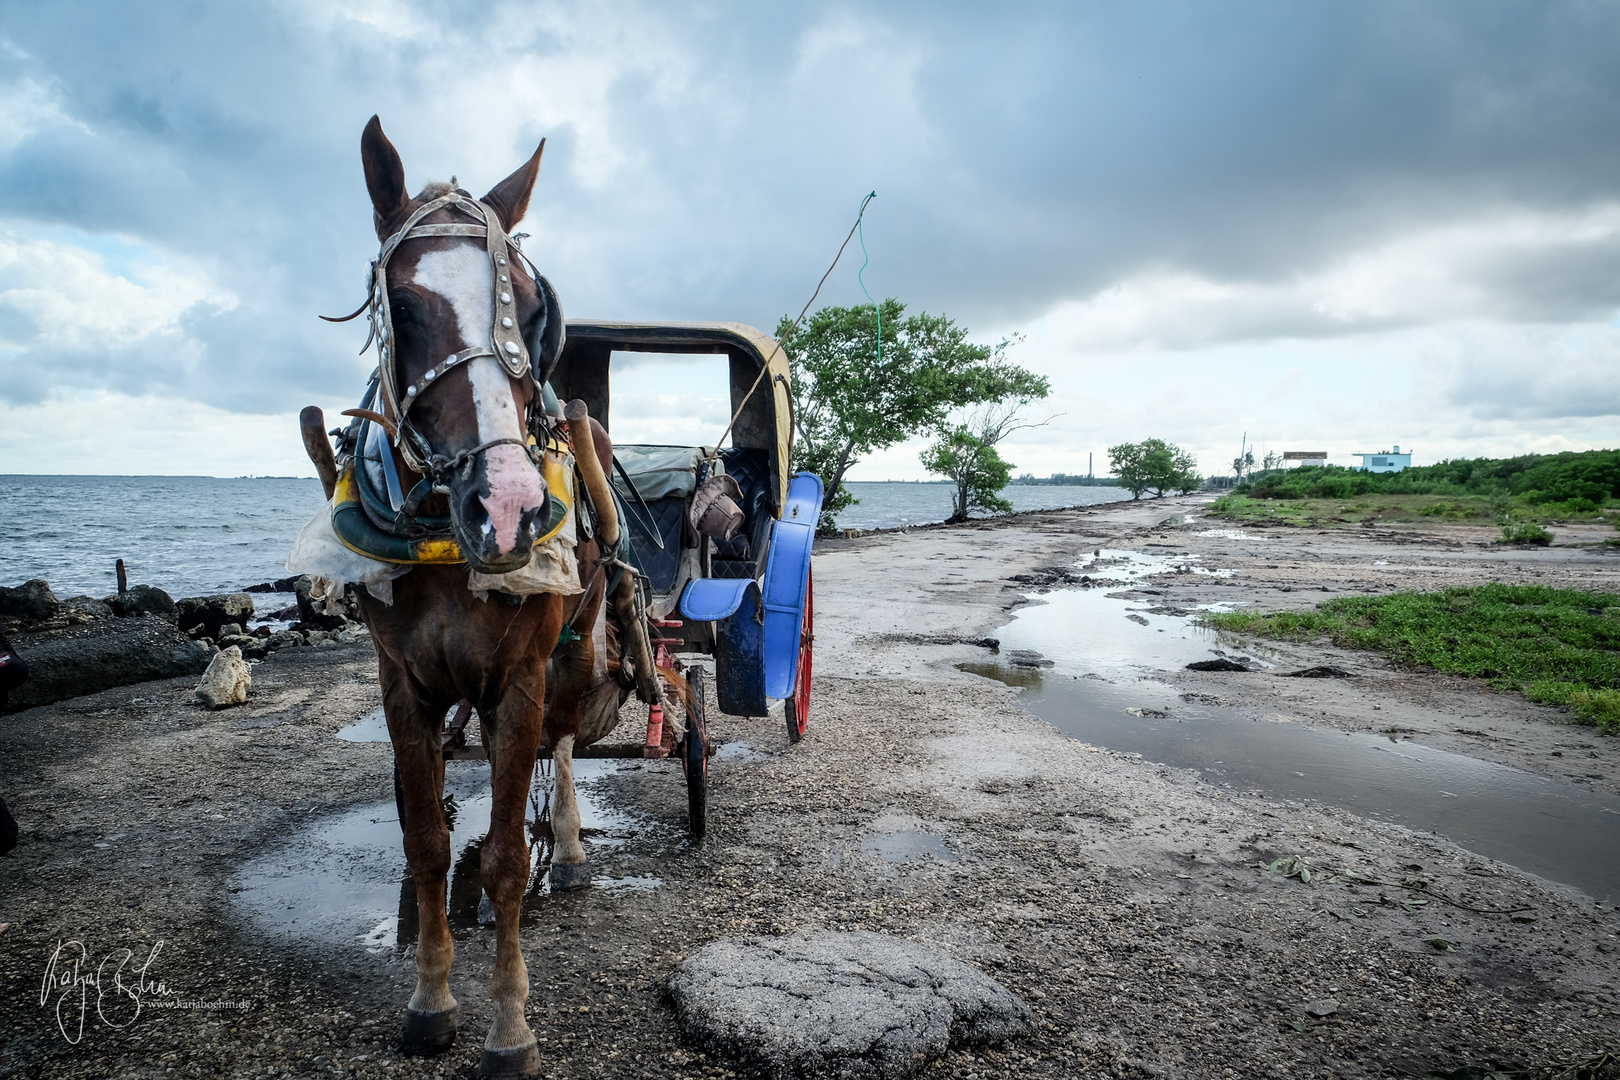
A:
(1293, 459)
(1386, 460)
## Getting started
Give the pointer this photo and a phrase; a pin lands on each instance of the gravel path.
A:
(1126, 903)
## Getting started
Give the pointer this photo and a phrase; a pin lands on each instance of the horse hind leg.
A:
(569, 869)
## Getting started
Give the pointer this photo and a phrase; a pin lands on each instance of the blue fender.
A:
(739, 674)
(787, 570)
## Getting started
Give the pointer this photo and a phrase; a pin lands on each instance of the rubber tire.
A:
(695, 760)
(797, 707)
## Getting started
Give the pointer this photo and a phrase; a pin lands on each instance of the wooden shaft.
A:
(590, 470)
(312, 422)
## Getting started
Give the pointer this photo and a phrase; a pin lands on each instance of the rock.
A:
(207, 616)
(1325, 1007)
(1222, 664)
(284, 639)
(87, 606)
(227, 680)
(230, 629)
(103, 653)
(1028, 658)
(32, 602)
(1320, 671)
(251, 648)
(141, 600)
(285, 584)
(856, 1005)
(313, 614)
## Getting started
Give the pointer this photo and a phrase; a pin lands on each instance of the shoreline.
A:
(1124, 901)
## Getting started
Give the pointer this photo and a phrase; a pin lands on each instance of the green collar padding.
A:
(357, 532)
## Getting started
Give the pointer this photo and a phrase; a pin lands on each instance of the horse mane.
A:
(436, 189)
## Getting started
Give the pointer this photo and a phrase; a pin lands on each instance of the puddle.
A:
(1102, 688)
(372, 727)
(342, 878)
(909, 845)
(739, 752)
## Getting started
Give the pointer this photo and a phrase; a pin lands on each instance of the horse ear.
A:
(510, 197)
(385, 174)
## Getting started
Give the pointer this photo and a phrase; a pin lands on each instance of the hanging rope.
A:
(767, 365)
(860, 275)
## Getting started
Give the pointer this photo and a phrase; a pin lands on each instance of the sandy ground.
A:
(1124, 901)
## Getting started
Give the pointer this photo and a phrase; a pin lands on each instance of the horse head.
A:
(448, 294)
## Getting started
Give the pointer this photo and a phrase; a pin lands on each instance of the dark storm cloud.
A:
(704, 163)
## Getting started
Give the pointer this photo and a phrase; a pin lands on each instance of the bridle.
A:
(506, 343)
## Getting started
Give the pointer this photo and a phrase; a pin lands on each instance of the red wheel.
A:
(797, 707)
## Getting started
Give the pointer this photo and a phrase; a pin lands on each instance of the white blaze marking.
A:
(461, 276)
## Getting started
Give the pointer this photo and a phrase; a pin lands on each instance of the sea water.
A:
(194, 535)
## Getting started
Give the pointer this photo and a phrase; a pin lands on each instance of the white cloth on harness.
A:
(319, 553)
(554, 567)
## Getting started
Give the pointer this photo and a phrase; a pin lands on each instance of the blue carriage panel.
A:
(739, 661)
(786, 572)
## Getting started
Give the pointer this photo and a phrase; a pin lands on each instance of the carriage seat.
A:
(739, 557)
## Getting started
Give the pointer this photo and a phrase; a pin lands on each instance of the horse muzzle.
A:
(499, 506)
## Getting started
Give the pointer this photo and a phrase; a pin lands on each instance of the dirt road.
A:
(1124, 901)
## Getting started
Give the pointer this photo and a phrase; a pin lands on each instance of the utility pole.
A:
(1089, 474)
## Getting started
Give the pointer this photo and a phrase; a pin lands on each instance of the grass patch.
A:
(1526, 532)
(1559, 646)
(1362, 510)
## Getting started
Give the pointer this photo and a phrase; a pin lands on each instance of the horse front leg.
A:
(432, 1016)
(513, 741)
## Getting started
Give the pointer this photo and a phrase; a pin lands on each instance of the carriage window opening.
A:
(673, 399)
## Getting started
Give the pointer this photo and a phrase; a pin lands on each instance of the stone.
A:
(858, 1005)
(207, 616)
(141, 600)
(88, 607)
(32, 602)
(230, 629)
(313, 614)
(284, 639)
(227, 680)
(1324, 1007)
(101, 654)
(252, 648)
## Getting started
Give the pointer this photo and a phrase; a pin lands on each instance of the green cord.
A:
(860, 274)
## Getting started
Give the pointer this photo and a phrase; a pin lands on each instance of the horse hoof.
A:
(520, 1064)
(566, 877)
(429, 1033)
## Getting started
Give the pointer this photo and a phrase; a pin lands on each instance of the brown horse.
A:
(464, 428)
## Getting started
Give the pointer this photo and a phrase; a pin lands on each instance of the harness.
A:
(530, 361)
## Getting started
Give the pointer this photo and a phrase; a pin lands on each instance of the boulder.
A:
(103, 653)
(856, 1005)
(227, 680)
(141, 600)
(284, 639)
(31, 602)
(231, 629)
(206, 616)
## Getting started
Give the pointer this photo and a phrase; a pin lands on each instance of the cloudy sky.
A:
(1331, 226)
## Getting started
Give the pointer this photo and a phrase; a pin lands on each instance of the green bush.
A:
(1526, 532)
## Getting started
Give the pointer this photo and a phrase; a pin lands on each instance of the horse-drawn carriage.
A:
(737, 590)
(511, 559)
